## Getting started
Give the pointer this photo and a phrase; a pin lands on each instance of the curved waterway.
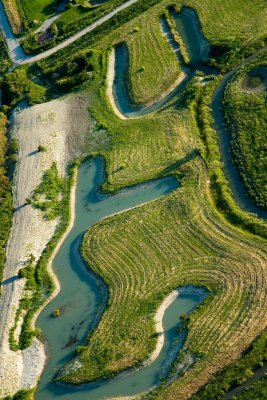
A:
(189, 29)
(120, 91)
(83, 296)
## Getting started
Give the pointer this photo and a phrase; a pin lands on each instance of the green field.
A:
(153, 66)
(237, 20)
(246, 116)
(38, 10)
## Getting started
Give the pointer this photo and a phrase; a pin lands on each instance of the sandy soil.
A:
(110, 80)
(60, 126)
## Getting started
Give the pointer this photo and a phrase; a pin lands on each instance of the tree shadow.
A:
(10, 280)
(33, 153)
(193, 154)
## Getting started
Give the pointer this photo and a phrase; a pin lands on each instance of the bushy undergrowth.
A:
(17, 86)
(258, 391)
(50, 195)
(21, 395)
(75, 70)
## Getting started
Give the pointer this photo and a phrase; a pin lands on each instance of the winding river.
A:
(188, 27)
(83, 296)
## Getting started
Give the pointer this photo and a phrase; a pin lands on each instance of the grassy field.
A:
(142, 255)
(241, 20)
(38, 10)
(143, 148)
(246, 116)
(153, 66)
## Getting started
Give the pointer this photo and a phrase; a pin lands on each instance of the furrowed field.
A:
(142, 255)
(147, 47)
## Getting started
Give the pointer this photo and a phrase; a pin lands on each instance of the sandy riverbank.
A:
(60, 126)
(160, 100)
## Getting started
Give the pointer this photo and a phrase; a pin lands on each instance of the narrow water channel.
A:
(188, 28)
(82, 294)
(120, 91)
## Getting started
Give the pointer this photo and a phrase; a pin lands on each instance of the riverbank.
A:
(55, 126)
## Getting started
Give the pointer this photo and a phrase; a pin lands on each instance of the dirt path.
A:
(259, 373)
(60, 126)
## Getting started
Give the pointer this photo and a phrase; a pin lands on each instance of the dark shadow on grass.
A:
(189, 157)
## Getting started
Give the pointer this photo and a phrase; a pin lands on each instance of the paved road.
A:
(19, 57)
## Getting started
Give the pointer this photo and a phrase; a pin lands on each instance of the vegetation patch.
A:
(5, 62)
(50, 195)
(21, 395)
(257, 391)
(17, 86)
(80, 68)
(153, 67)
